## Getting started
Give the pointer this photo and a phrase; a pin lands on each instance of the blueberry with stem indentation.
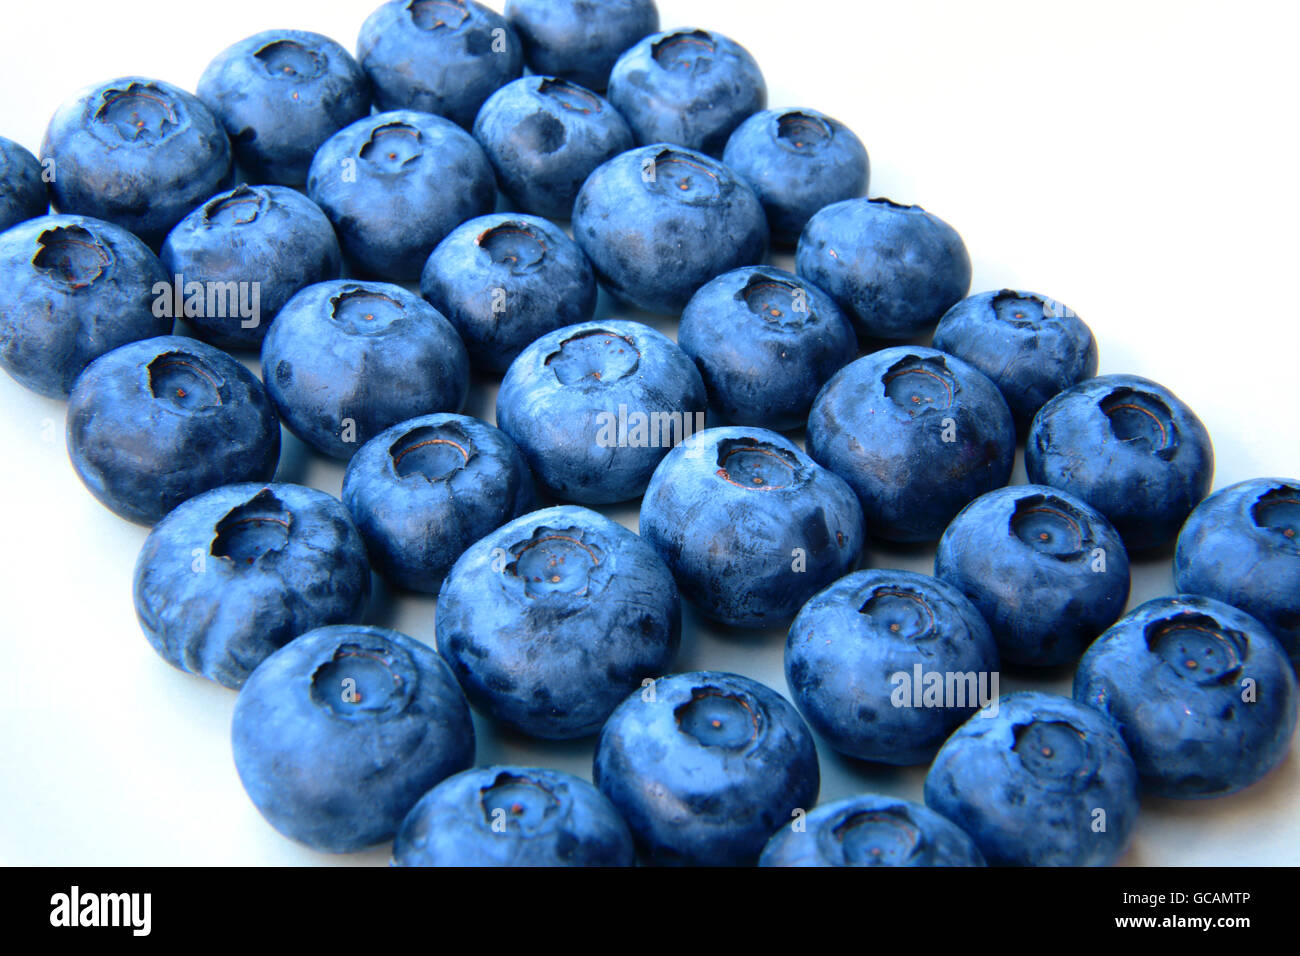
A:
(750, 525)
(1048, 572)
(139, 153)
(75, 288)
(1204, 696)
(339, 733)
(871, 830)
(798, 162)
(280, 94)
(886, 664)
(513, 816)
(917, 433)
(1038, 780)
(554, 618)
(156, 422)
(234, 574)
(426, 489)
(1128, 447)
(504, 281)
(256, 246)
(705, 766)
(1253, 524)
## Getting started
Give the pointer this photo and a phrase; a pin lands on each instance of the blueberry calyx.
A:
(364, 679)
(555, 561)
(250, 531)
(73, 255)
(718, 718)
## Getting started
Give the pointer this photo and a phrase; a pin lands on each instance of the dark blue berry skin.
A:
(280, 94)
(659, 222)
(1047, 571)
(395, 184)
(366, 353)
(444, 58)
(137, 152)
(851, 642)
(580, 40)
(268, 235)
(153, 423)
(750, 526)
(72, 289)
(917, 433)
(1128, 447)
(1203, 695)
(765, 342)
(425, 490)
(691, 88)
(339, 733)
(550, 621)
(573, 400)
(236, 573)
(513, 816)
(798, 162)
(872, 830)
(22, 187)
(1040, 781)
(1241, 546)
(1033, 348)
(544, 137)
(894, 269)
(504, 281)
(705, 766)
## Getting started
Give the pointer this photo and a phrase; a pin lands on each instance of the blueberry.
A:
(257, 246)
(659, 222)
(886, 664)
(798, 162)
(705, 766)
(580, 40)
(917, 433)
(1048, 572)
(691, 88)
(544, 137)
(23, 195)
(505, 280)
(550, 621)
(765, 342)
(425, 490)
(595, 407)
(894, 269)
(750, 526)
(438, 56)
(1241, 546)
(871, 830)
(339, 733)
(1203, 695)
(156, 422)
(395, 184)
(236, 573)
(1038, 780)
(513, 816)
(345, 360)
(137, 152)
(1032, 348)
(280, 94)
(1128, 447)
(73, 288)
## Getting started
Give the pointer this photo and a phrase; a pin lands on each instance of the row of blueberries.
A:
(548, 620)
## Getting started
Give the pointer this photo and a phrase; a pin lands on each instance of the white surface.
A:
(1135, 161)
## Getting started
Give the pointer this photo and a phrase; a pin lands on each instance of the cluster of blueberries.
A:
(560, 623)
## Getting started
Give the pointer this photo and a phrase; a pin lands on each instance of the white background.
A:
(1136, 161)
